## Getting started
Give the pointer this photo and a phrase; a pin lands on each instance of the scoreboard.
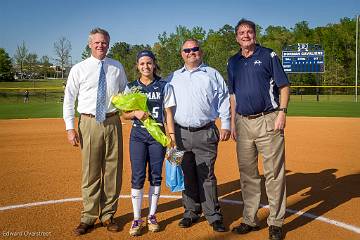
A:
(303, 61)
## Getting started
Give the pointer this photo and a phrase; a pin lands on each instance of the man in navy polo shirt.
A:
(259, 94)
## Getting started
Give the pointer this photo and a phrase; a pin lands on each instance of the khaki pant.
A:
(258, 136)
(102, 161)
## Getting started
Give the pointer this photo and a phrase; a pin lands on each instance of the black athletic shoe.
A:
(244, 228)
(275, 233)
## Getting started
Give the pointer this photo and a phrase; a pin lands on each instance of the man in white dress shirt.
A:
(100, 141)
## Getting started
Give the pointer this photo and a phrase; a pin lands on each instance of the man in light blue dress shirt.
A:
(201, 97)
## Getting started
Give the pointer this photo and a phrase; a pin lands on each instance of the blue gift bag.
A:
(174, 177)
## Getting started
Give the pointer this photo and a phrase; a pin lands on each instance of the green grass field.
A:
(41, 91)
(30, 110)
(33, 83)
(324, 109)
(296, 108)
(46, 102)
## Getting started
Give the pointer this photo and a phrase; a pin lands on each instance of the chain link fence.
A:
(34, 95)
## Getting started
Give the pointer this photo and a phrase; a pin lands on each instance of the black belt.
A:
(195, 129)
(107, 115)
(257, 115)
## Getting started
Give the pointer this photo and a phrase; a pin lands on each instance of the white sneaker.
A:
(136, 227)
(153, 225)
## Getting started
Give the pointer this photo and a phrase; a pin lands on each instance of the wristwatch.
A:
(283, 109)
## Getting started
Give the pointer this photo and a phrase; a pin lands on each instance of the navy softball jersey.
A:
(256, 80)
(144, 149)
(155, 92)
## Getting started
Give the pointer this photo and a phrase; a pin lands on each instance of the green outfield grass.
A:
(46, 101)
(30, 110)
(33, 83)
(296, 108)
(324, 109)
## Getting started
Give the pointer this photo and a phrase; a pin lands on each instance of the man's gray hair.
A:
(101, 31)
(192, 40)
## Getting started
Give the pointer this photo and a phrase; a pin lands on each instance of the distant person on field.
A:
(26, 96)
(259, 95)
(92, 82)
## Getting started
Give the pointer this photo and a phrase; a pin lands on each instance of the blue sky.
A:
(40, 23)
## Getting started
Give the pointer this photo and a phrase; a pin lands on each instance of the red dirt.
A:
(37, 164)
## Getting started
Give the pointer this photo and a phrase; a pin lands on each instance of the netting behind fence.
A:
(323, 93)
(298, 93)
(38, 95)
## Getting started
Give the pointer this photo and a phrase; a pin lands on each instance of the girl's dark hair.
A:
(150, 54)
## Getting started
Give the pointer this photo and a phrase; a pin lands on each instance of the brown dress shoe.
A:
(111, 225)
(83, 228)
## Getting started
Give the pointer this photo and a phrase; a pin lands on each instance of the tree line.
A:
(26, 65)
(336, 39)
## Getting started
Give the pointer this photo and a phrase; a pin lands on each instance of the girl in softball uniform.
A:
(145, 151)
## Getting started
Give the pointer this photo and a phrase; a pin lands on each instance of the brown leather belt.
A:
(107, 115)
(195, 129)
(257, 115)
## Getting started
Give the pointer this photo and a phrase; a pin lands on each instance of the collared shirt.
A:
(160, 95)
(256, 80)
(201, 96)
(82, 83)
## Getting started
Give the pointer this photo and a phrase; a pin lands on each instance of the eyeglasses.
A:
(188, 50)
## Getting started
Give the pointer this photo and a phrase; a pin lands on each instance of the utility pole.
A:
(356, 58)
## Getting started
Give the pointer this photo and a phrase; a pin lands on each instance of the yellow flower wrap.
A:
(137, 101)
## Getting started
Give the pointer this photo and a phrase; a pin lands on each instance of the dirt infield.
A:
(323, 182)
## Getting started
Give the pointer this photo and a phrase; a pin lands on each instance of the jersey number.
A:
(155, 112)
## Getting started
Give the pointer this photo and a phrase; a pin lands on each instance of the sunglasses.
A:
(188, 50)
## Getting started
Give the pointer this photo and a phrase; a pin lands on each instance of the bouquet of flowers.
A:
(174, 156)
(135, 100)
